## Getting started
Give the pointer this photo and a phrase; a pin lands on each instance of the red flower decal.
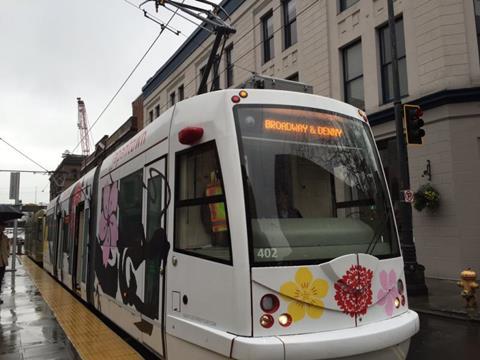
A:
(353, 292)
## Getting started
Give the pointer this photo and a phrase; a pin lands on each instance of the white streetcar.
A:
(244, 224)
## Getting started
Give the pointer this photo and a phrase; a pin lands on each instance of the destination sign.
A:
(301, 128)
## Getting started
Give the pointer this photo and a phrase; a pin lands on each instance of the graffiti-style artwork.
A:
(129, 258)
(105, 259)
(387, 294)
(108, 231)
(305, 295)
(354, 291)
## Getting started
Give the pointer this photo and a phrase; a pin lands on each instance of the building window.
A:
(353, 75)
(293, 77)
(181, 92)
(215, 76)
(228, 66)
(201, 221)
(267, 36)
(386, 61)
(157, 111)
(476, 4)
(345, 4)
(172, 98)
(290, 23)
(150, 116)
(202, 71)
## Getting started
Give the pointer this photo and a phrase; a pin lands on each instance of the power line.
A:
(155, 19)
(234, 63)
(129, 76)
(26, 171)
(28, 157)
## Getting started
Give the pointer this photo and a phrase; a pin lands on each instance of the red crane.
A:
(83, 127)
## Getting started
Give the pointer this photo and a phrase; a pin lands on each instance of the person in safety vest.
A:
(218, 217)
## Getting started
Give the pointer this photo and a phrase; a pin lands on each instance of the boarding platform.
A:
(40, 319)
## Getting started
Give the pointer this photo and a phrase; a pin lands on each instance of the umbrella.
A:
(8, 212)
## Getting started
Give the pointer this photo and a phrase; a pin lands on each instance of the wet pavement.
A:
(445, 338)
(28, 328)
(444, 299)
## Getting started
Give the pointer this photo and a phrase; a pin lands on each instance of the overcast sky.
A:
(53, 51)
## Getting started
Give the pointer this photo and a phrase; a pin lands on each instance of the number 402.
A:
(267, 253)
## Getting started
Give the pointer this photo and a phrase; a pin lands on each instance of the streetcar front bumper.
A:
(387, 339)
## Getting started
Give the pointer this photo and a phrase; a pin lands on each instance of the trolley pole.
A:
(414, 272)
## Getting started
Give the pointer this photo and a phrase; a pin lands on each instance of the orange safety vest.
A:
(217, 211)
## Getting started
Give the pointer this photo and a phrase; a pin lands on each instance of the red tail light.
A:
(269, 303)
(190, 135)
(267, 321)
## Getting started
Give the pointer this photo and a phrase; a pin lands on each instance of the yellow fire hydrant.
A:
(469, 284)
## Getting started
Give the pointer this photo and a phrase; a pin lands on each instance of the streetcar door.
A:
(156, 199)
(201, 277)
(78, 246)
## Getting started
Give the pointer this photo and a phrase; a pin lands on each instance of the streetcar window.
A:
(201, 222)
(314, 186)
(130, 229)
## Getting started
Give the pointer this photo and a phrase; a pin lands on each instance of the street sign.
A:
(408, 196)
(14, 185)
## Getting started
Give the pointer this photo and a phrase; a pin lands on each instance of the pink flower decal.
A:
(354, 291)
(108, 221)
(387, 294)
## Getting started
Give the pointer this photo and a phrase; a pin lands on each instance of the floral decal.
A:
(387, 294)
(108, 232)
(354, 291)
(305, 295)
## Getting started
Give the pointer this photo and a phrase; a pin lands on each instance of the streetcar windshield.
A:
(313, 186)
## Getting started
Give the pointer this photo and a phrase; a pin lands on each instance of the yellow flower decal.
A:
(305, 295)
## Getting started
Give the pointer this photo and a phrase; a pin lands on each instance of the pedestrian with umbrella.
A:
(4, 252)
(7, 213)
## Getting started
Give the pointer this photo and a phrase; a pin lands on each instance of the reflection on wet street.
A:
(28, 329)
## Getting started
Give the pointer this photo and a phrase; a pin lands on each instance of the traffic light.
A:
(412, 115)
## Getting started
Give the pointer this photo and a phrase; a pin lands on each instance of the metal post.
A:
(14, 247)
(414, 272)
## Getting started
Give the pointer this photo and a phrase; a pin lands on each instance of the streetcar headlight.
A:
(400, 286)
(397, 302)
(285, 319)
(269, 303)
(243, 94)
(267, 321)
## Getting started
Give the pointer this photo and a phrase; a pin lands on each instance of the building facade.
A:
(66, 173)
(341, 48)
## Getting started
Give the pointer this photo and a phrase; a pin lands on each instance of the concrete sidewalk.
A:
(28, 328)
(444, 300)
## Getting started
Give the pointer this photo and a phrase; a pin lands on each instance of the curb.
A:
(448, 314)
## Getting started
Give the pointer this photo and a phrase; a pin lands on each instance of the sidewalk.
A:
(28, 329)
(444, 300)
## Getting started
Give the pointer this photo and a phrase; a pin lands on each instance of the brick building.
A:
(341, 49)
(66, 173)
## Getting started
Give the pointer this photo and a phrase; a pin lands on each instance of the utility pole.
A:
(414, 272)
(14, 194)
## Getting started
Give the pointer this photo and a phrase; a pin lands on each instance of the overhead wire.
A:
(153, 17)
(234, 63)
(24, 155)
(128, 77)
